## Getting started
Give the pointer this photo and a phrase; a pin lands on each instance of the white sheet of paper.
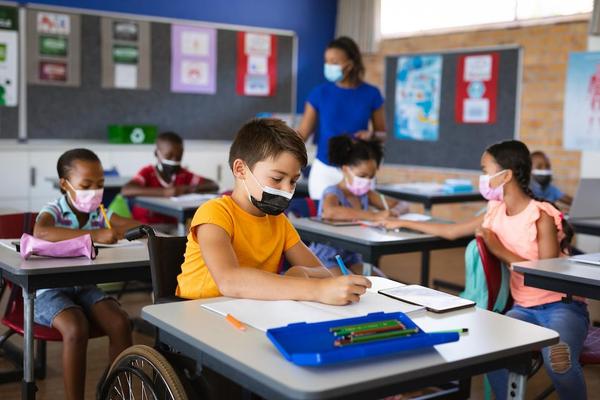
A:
(476, 110)
(8, 244)
(258, 65)
(195, 43)
(194, 72)
(379, 283)
(126, 76)
(414, 217)
(256, 85)
(263, 315)
(257, 43)
(478, 68)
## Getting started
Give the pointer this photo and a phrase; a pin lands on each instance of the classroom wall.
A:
(545, 55)
(312, 20)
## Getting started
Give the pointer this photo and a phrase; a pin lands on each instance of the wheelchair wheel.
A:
(141, 372)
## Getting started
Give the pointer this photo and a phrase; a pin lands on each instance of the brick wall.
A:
(545, 55)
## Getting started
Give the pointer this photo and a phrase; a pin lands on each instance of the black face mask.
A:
(168, 170)
(543, 180)
(274, 201)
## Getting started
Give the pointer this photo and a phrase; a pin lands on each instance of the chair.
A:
(166, 257)
(492, 269)
(13, 226)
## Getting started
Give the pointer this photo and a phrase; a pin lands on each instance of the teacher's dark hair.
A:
(343, 150)
(349, 46)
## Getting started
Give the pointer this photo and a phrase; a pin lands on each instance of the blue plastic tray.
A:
(312, 344)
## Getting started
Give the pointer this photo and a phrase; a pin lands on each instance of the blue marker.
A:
(340, 262)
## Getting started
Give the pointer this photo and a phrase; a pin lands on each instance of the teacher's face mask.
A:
(333, 72)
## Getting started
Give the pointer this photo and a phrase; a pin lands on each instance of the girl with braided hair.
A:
(518, 227)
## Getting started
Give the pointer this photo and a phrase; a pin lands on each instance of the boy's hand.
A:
(175, 191)
(106, 236)
(342, 290)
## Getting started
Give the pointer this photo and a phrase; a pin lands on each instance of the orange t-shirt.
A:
(258, 242)
(518, 233)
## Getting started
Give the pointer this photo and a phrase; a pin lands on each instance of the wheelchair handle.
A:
(139, 232)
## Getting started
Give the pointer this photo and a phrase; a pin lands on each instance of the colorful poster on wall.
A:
(476, 88)
(125, 49)
(53, 48)
(8, 57)
(417, 100)
(256, 64)
(193, 59)
(582, 102)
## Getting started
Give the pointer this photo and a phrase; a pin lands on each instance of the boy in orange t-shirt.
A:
(236, 242)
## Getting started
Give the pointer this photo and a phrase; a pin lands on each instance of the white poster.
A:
(258, 43)
(8, 68)
(58, 24)
(478, 68)
(582, 102)
(195, 43)
(126, 76)
(195, 73)
(256, 85)
(258, 65)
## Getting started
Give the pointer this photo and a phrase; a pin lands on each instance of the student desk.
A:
(180, 210)
(562, 275)
(112, 186)
(112, 264)
(253, 362)
(587, 226)
(372, 243)
(426, 196)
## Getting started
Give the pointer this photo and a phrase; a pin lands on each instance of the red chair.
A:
(492, 269)
(13, 226)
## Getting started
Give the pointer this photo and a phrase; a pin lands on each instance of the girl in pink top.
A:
(517, 227)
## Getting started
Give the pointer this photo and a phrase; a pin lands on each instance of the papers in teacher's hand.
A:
(414, 217)
(191, 197)
(263, 314)
(120, 243)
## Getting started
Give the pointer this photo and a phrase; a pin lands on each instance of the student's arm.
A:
(206, 186)
(45, 229)
(121, 225)
(306, 264)
(376, 201)
(309, 121)
(332, 209)
(566, 199)
(446, 231)
(133, 188)
(234, 280)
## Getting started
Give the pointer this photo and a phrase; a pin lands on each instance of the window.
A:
(400, 17)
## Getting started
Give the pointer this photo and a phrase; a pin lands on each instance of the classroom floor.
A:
(446, 264)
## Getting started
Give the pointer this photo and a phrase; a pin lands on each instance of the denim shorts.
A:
(52, 302)
(327, 255)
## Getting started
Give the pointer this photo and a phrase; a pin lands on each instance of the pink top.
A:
(518, 233)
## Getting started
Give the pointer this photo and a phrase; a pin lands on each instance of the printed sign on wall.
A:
(8, 56)
(125, 54)
(53, 48)
(193, 59)
(256, 64)
(477, 88)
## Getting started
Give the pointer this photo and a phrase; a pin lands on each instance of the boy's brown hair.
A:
(264, 138)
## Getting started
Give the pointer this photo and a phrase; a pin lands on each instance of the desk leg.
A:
(517, 384)
(28, 387)
(427, 207)
(425, 268)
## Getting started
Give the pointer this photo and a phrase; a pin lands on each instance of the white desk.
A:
(494, 341)
(562, 275)
(114, 264)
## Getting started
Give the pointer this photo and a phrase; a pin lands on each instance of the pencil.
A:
(384, 201)
(235, 323)
(106, 220)
(340, 262)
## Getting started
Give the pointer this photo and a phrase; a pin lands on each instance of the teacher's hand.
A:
(363, 135)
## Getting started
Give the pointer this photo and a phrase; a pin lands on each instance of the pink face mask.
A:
(86, 200)
(488, 192)
(359, 185)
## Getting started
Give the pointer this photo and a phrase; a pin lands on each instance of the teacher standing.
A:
(344, 105)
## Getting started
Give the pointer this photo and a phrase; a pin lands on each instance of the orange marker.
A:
(235, 323)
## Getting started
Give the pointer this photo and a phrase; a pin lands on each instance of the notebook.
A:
(591, 258)
(265, 314)
(432, 300)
